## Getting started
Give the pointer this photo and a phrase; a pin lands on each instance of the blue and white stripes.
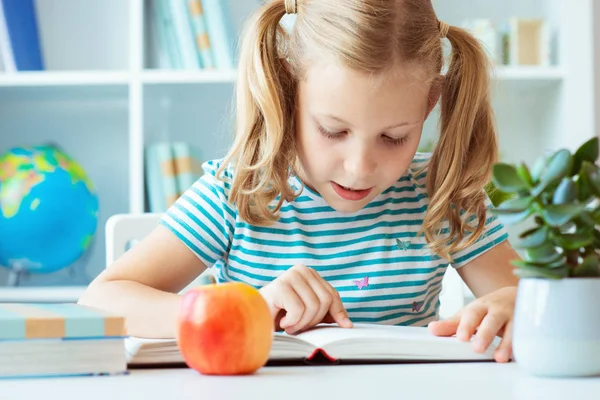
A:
(383, 269)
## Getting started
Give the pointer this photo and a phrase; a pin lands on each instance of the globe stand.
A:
(17, 272)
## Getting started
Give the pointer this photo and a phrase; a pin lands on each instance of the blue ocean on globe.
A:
(48, 209)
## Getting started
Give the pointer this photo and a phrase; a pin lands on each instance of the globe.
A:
(48, 209)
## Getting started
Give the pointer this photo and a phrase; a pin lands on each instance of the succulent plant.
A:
(559, 195)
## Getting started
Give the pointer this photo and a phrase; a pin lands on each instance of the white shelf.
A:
(158, 77)
(55, 294)
(64, 78)
(504, 73)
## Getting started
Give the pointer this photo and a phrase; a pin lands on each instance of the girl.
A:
(323, 202)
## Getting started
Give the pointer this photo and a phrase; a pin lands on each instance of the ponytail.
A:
(462, 161)
(263, 148)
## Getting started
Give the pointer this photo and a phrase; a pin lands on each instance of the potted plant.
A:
(557, 322)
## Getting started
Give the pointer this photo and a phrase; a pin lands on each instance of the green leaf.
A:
(496, 196)
(538, 169)
(530, 232)
(559, 166)
(544, 254)
(510, 218)
(588, 268)
(561, 262)
(524, 174)
(596, 214)
(592, 177)
(506, 178)
(586, 152)
(559, 214)
(534, 239)
(596, 238)
(585, 218)
(529, 270)
(584, 188)
(574, 241)
(566, 192)
(517, 204)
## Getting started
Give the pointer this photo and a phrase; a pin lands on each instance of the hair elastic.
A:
(444, 28)
(290, 6)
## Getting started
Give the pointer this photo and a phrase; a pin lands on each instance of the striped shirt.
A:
(383, 270)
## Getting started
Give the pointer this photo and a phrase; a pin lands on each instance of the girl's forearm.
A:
(149, 312)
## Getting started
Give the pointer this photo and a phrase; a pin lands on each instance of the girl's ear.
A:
(434, 93)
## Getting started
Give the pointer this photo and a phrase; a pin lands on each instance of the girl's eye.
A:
(329, 134)
(396, 141)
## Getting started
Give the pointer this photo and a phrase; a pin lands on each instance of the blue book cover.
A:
(202, 40)
(184, 34)
(161, 182)
(21, 23)
(165, 19)
(27, 321)
(188, 165)
(220, 30)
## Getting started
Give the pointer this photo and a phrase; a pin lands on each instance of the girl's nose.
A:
(360, 163)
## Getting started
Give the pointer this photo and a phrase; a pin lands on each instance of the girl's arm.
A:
(490, 271)
(143, 284)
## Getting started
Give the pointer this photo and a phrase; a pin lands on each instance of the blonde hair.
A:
(372, 36)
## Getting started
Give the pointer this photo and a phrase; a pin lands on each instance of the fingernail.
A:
(505, 355)
(347, 322)
(478, 344)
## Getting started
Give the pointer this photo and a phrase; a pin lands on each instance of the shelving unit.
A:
(533, 74)
(102, 99)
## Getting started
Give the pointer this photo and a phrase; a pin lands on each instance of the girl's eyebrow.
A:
(329, 116)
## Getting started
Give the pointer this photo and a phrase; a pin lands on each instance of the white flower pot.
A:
(557, 327)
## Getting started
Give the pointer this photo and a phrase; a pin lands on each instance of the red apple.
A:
(225, 329)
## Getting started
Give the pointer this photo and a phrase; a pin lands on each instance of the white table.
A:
(478, 381)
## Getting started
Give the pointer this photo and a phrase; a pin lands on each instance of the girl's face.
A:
(357, 136)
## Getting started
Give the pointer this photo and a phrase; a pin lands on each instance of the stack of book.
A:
(193, 34)
(171, 169)
(42, 340)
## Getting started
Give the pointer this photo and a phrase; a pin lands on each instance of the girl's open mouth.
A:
(349, 193)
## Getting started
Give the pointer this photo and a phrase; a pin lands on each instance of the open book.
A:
(328, 343)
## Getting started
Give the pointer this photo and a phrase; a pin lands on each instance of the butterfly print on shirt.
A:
(362, 283)
(416, 307)
(402, 245)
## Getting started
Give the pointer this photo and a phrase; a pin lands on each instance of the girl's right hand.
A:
(300, 299)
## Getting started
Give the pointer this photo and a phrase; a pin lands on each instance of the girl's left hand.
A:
(485, 317)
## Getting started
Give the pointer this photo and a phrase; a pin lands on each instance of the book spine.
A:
(8, 60)
(156, 200)
(166, 20)
(164, 58)
(21, 23)
(46, 321)
(219, 30)
(202, 40)
(188, 165)
(162, 184)
(184, 35)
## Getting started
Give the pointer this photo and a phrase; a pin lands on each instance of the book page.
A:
(324, 334)
(372, 341)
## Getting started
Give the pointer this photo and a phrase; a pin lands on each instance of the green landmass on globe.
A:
(28, 171)
(48, 209)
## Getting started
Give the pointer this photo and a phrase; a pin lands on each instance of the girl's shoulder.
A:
(211, 168)
(216, 179)
(420, 160)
